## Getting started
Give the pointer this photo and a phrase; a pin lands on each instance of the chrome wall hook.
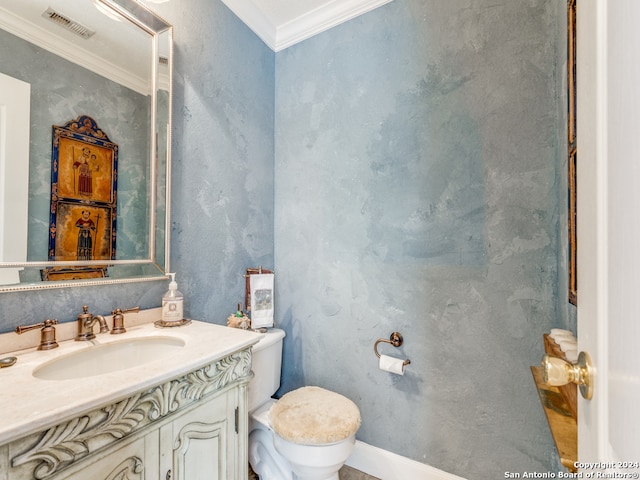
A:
(395, 339)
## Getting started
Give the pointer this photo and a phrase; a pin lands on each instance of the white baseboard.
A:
(390, 466)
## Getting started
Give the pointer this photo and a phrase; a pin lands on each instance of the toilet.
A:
(307, 434)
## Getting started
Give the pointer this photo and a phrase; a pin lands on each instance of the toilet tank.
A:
(266, 361)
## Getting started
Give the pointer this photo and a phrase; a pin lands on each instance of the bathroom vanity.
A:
(152, 403)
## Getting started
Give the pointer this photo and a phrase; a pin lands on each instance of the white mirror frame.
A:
(155, 26)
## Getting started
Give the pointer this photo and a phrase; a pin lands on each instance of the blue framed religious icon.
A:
(82, 221)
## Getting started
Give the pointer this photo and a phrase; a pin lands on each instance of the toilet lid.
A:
(314, 416)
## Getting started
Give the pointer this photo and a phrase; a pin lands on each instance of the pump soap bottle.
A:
(172, 304)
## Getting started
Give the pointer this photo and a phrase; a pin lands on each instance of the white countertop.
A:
(29, 404)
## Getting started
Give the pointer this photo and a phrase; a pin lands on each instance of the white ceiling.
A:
(101, 53)
(282, 23)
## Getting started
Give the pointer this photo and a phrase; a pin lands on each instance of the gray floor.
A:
(346, 473)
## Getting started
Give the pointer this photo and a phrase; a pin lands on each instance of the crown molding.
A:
(326, 15)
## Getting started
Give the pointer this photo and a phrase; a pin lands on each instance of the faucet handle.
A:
(47, 333)
(118, 319)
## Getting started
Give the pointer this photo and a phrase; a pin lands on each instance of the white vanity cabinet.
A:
(193, 427)
(203, 443)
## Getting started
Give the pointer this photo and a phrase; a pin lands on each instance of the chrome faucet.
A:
(86, 321)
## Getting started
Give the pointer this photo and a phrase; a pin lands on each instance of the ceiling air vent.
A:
(67, 23)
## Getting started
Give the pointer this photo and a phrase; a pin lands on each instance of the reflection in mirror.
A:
(113, 64)
(15, 96)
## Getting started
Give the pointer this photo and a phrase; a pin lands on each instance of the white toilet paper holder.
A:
(395, 339)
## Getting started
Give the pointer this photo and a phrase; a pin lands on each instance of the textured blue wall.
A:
(416, 190)
(222, 218)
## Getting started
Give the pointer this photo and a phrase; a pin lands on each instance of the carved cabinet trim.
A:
(66, 443)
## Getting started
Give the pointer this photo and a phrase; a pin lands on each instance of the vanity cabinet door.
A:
(133, 460)
(202, 443)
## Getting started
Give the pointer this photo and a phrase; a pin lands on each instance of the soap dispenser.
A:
(172, 303)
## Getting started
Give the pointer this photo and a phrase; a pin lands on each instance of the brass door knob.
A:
(558, 372)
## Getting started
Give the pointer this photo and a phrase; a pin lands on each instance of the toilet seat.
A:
(314, 416)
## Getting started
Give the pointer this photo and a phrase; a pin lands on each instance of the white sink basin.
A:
(108, 358)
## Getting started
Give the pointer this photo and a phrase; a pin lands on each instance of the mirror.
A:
(110, 60)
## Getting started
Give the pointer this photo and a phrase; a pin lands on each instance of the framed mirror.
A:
(111, 61)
